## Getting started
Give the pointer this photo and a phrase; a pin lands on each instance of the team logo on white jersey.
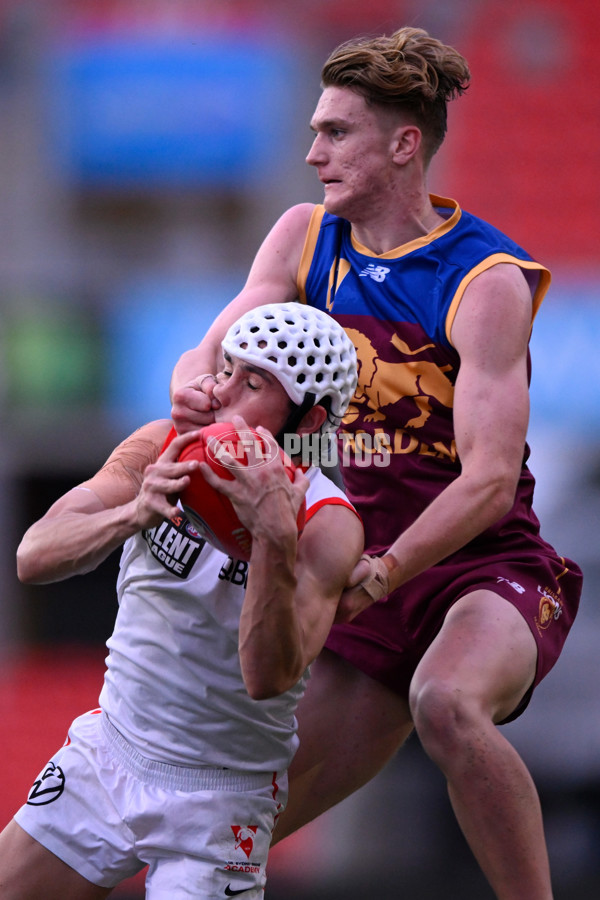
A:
(376, 273)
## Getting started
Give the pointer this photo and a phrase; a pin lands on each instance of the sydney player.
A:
(440, 306)
(183, 766)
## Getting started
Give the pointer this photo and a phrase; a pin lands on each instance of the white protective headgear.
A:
(305, 349)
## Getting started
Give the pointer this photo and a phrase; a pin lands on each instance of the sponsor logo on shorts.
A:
(48, 787)
(243, 836)
(549, 610)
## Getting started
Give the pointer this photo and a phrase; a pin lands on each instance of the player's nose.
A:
(315, 154)
(222, 391)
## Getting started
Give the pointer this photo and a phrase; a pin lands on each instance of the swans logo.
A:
(244, 837)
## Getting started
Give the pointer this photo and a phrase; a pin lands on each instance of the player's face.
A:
(352, 153)
(246, 390)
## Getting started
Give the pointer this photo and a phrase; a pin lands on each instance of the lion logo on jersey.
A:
(382, 383)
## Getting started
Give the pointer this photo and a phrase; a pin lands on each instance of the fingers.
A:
(377, 582)
(352, 602)
(177, 445)
(361, 570)
(368, 583)
(258, 451)
(300, 484)
(164, 480)
(199, 382)
(194, 405)
(255, 448)
(257, 483)
(212, 478)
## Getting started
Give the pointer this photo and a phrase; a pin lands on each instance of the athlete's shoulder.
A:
(297, 217)
(314, 216)
(329, 512)
(156, 434)
(158, 429)
(284, 243)
(486, 231)
(323, 491)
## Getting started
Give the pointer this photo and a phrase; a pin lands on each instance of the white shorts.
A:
(107, 812)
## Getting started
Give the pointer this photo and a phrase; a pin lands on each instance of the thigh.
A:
(349, 727)
(485, 651)
(74, 808)
(28, 871)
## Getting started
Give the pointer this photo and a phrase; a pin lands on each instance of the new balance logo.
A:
(377, 273)
(514, 584)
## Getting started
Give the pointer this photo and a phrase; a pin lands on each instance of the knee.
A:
(443, 714)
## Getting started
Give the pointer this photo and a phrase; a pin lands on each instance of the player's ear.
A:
(405, 143)
(312, 420)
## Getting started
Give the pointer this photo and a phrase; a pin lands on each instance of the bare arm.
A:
(491, 411)
(289, 608)
(293, 585)
(130, 492)
(272, 279)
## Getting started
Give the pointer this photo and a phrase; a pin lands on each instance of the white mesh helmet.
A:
(305, 349)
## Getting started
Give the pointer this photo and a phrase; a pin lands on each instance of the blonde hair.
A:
(408, 71)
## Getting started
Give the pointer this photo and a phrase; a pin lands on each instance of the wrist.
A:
(278, 544)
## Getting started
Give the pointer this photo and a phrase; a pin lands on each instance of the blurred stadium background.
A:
(146, 146)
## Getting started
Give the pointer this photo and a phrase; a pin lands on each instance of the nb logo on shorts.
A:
(48, 787)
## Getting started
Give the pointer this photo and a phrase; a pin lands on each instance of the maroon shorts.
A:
(388, 639)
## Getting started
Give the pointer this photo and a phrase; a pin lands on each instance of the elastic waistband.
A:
(180, 778)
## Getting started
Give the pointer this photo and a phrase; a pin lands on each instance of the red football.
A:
(211, 512)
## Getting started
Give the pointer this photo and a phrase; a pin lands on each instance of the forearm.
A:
(466, 508)
(199, 361)
(272, 279)
(206, 357)
(270, 637)
(490, 417)
(56, 548)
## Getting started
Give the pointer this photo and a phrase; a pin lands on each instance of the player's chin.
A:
(336, 206)
(330, 197)
(221, 415)
(185, 427)
(227, 416)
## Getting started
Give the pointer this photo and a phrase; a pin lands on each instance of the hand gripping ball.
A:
(210, 511)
